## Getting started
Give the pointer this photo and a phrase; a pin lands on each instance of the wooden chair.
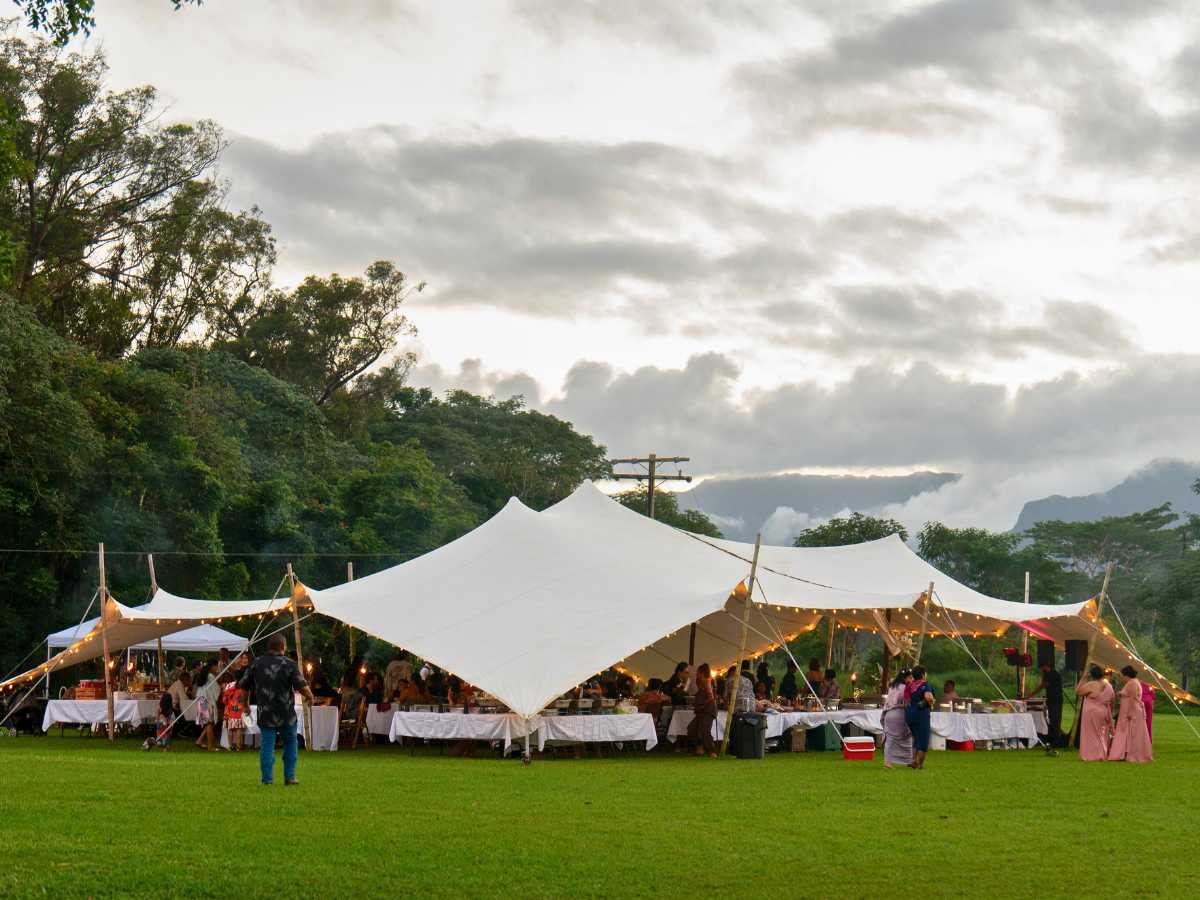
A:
(354, 727)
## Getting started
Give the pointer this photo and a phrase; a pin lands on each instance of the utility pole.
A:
(651, 475)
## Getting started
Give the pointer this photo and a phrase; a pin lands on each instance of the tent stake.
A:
(1091, 643)
(737, 668)
(108, 688)
(295, 603)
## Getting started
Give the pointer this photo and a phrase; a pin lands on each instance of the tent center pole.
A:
(887, 657)
(1024, 647)
(108, 685)
(737, 667)
(832, 620)
(924, 625)
(295, 604)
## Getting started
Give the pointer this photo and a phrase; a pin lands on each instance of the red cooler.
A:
(858, 748)
(960, 745)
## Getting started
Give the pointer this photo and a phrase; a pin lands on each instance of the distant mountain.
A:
(741, 506)
(1161, 481)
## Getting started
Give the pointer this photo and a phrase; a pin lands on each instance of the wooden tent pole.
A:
(924, 625)
(1092, 643)
(153, 591)
(887, 657)
(350, 628)
(1024, 647)
(108, 687)
(829, 642)
(295, 604)
(692, 646)
(737, 667)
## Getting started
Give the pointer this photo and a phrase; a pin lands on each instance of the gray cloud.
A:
(887, 417)
(864, 321)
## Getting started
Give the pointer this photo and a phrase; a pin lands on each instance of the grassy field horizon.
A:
(79, 817)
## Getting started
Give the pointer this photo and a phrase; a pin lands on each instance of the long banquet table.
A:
(324, 728)
(95, 712)
(510, 727)
(950, 725)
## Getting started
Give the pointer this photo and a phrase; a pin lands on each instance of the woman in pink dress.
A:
(1132, 739)
(1095, 722)
(1148, 703)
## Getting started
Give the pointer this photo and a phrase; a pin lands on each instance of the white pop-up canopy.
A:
(530, 604)
(201, 639)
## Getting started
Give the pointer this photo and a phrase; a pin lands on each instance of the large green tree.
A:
(63, 19)
(853, 529)
(666, 509)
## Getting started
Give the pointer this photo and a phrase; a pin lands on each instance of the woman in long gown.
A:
(918, 715)
(1148, 703)
(1131, 742)
(897, 739)
(1095, 719)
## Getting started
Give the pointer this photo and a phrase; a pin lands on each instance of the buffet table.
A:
(380, 722)
(95, 712)
(509, 727)
(950, 725)
(324, 728)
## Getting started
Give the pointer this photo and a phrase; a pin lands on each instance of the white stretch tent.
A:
(530, 604)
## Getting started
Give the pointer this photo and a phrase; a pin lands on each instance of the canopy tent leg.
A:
(153, 591)
(829, 642)
(737, 667)
(108, 686)
(1091, 643)
(692, 646)
(300, 656)
(46, 689)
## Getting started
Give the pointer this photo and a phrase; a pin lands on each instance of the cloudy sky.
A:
(793, 236)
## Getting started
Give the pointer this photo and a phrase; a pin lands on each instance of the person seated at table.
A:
(350, 695)
(374, 688)
(787, 687)
(949, 694)
(653, 699)
(323, 691)
(764, 677)
(181, 692)
(675, 687)
(814, 675)
(830, 689)
(410, 692)
(625, 687)
(436, 685)
(458, 692)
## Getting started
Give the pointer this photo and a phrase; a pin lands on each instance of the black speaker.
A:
(1077, 652)
(1045, 654)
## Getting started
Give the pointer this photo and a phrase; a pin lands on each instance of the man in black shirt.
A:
(1052, 685)
(272, 679)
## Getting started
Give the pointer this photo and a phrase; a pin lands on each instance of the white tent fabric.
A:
(530, 604)
(201, 639)
(164, 615)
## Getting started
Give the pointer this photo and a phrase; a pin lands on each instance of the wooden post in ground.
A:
(295, 604)
(108, 686)
(1091, 644)
(350, 628)
(924, 625)
(1024, 647)
(737, 666)
(153, 591)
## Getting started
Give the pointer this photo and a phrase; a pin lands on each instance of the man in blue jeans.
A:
(271, 681)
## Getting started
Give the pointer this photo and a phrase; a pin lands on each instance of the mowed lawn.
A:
(81, 818)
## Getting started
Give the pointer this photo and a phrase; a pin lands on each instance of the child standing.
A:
(234, 700)
(162, 724)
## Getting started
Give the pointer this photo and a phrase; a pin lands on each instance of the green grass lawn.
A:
(79, 817)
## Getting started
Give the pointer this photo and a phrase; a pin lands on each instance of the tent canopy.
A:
(202, 638)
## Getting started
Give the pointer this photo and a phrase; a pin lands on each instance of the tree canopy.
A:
(853, 529)
(666, 509)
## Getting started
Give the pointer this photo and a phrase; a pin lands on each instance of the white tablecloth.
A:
(598, 729)
(380, 722)
(324, 728)
(95, 712)
(952, 726)
(509, 727)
